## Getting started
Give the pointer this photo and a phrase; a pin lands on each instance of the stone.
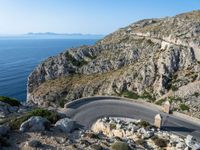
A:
(35, 124)
(167, 107)
(180, 145)
(65, 125)
(34, 143)
(158, 121)
(148, 134)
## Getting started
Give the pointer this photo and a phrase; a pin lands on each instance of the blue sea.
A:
(18, 57)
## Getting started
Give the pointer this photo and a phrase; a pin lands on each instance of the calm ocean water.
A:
(18, 57)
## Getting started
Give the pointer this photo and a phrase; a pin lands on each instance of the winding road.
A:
(86, 111)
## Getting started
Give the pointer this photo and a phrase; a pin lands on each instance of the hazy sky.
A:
(83, 16)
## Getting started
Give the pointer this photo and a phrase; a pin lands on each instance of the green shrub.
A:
(173, 99)
(147, 95)
(174, 88)
(16, 122)
(160, 142)
(112, 126)
(120, 146)
(184, 107)
(129, 94)
(160, 102)
(10, 101)
(196, 94)
(50, 115)
(143, 124)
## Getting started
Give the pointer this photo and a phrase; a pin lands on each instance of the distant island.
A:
(52, 35)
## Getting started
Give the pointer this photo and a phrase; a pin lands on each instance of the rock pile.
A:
(142, 133)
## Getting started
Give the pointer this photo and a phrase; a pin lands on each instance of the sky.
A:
(83, 16)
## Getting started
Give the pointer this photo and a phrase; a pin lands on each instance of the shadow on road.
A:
(177, 129)
(77, 103)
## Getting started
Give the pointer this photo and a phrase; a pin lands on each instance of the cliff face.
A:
(156, 57)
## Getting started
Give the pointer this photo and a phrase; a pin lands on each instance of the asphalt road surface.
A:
(86, 111)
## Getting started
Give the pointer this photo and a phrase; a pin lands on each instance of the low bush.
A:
(147, 95)
(160, 142)
(196, 94)
(112, 126)
(129, 94)
(160, 102)
(174, 88)
(120, 146)
(184, 107)
(143, 124)
(10, 101)
(50, 115)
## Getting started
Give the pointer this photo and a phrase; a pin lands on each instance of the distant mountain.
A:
(64, 35)
(51, 35)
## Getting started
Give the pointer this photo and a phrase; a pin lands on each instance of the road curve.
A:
(87, 110)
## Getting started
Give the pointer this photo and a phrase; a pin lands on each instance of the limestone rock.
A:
(35, 124)
(65, 125)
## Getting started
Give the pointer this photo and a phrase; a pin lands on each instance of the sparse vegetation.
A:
(120, 146)
(159, 141)
(50, 115)
(160, 102)
(184, 107)
(143, 124)
(173, 99)
(75, 62)
(196, 94)
(112, 126)
(147, 95)
(10, 101)
(174, 88)
(129, 94)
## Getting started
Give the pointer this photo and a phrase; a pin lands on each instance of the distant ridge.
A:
(66, 35)
(52, 35)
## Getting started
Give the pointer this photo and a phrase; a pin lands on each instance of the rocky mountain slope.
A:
(151, 58)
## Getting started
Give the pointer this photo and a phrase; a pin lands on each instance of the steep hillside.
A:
(152, 59)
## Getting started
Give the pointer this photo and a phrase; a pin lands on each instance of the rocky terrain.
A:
(49, 129)
(153, 59)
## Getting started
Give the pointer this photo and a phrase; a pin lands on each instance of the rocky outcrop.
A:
(65, 125)
(143, 134)
(151, 56)
(35, 124)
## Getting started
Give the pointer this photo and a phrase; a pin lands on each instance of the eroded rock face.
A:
(153, 56)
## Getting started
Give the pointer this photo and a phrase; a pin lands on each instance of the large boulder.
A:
(6, 109)
(35, 124)
(65, 125)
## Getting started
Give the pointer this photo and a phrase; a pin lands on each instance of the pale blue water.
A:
(18, 57)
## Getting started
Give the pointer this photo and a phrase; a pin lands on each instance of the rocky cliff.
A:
(152, 58)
